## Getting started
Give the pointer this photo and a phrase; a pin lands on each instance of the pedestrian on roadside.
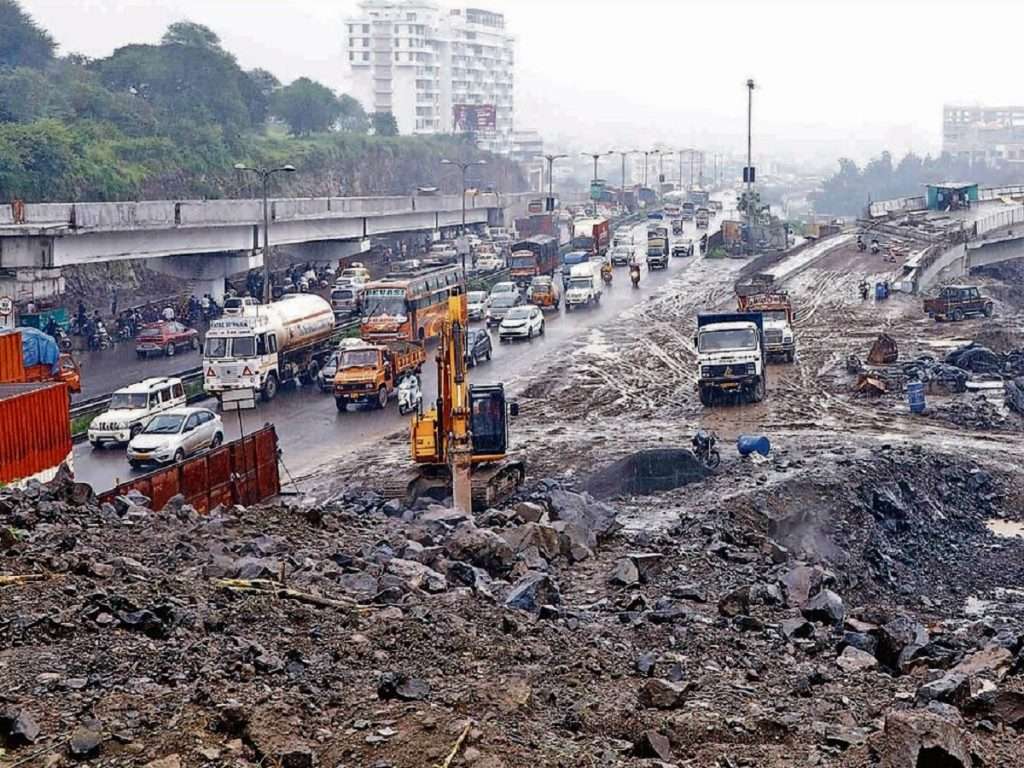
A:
(113, 303)
(168, 313)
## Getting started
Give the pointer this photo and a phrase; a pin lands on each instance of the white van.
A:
(131, 407)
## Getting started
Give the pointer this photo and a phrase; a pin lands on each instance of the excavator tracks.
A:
(491, 483)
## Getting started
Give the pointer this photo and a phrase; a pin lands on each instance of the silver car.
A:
(173, 435)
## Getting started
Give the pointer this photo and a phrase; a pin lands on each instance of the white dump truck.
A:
(268, 346)
(584, 285)
(731, 356)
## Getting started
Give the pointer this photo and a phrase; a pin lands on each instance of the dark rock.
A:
(941, 689)
(624, 573)
(393, 508)
(689, 592)
(801, 584)
(256, 568)
(232, 718)
(898, 640)
(861, 641)
(645, 663)
(86, 740)
(797, 628)
(735, 603)
(855, 660)
(481, 547)
(748, 624)
(661, 694)
(651, 744)
(529, 512)
(591, 515)
(467, 575)
(648, 564)
(544, 537)
(395, 685)
(18, 727)
(844, 737)
(921, 739)
(1007, 707)
(532, 591)
(416, 576)
(826, 607)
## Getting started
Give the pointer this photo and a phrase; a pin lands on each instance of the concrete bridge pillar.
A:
(31, 284)
(205, 272)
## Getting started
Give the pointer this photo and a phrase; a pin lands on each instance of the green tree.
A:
(307, 106)
(257, 89)
(384, 124)
(190, 34)
(352, 117)
(27, 95)
(38, 161)
(22, 42)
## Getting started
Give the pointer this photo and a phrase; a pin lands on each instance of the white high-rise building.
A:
(425, 64)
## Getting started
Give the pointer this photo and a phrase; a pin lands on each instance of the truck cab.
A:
(370, 373)
(584, 286)
(777, 316)
(731, 356)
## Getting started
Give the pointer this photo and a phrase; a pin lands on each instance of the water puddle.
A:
(1007, 529)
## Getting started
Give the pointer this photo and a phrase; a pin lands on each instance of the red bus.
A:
(409, 305)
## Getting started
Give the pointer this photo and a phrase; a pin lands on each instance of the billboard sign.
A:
(471, 118)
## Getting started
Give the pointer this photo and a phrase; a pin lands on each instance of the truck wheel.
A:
(269, 391)
(195, 343)
(311, 371)
(958, 315)
(170, 350)
(707, 396)
(790, 355)
(136, 428)
(341, 404)
(757, 393)
(987, 311)
(179, 456)
(382, 397)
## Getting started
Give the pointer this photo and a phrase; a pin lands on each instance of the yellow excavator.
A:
(461, 442)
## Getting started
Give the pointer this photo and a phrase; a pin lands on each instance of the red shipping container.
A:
(35, 429)
(11, 365)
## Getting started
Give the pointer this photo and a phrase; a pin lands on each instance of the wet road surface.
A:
(310, 429)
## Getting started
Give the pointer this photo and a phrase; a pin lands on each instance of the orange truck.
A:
(29, 356)
(758, 294)
(369, 373)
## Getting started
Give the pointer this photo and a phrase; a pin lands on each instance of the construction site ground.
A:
(853, 599)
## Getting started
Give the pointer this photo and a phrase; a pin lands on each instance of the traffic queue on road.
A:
(365, 343)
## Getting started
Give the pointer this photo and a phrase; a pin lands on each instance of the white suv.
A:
(131, 407)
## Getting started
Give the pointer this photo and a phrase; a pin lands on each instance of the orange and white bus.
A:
(409, 305)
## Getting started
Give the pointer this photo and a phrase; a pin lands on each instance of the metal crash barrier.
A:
(244, 471)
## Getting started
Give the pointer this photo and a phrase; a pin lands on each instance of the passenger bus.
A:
(409, 305)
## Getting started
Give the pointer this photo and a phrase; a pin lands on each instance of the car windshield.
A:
(503, 288)
(359, 358)
(522, 260)
(580, 282)
(244, 346)
(345, 293)
(541, 285)
(720, 341)
(390, 306)
(150, 332)
(519, 313)
(121, 401)
(216, 347)
(164, 424)
(503, 301)
(776, 315)
(476, 297)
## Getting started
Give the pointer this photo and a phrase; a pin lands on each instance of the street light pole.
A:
(622, 153)
(551, 167)
(750, 109)
(464, 166)
(265, 174)
(595, 156)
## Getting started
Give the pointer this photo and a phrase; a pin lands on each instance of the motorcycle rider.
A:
(606, 272)
(634, 270)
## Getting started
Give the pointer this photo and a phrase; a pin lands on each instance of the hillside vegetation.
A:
(171, 120)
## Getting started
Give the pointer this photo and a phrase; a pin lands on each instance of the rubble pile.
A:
(812, 619)
(980, 359)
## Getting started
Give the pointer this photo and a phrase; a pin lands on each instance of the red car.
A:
(165, 337)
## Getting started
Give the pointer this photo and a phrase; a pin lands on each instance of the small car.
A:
(522, 323)
(683, 249)
(132, 406)
(173, 435)
(619, 255)
(499, 305)
(476, 304)
(478, 346)
(165, 337)
(488, 263)
(500, 288)
(325, 377)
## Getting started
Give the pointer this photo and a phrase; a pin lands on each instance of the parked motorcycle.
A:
(410, 394)
(100, 338)
(865, 290)
(62, 339)
(704, 448)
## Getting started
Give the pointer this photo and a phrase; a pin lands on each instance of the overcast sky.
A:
(834, 77)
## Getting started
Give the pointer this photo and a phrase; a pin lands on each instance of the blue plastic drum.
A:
(915, 396)
(748, 444)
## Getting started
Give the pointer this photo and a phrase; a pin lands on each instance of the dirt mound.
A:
(644, 472)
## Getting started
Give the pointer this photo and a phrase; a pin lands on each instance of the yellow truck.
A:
(370, 373)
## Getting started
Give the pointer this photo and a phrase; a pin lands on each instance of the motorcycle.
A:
(100, 339)
(861, 245)
(62, 339)
(606, 273)
(704, 448)
(634, 275)
(410, 395)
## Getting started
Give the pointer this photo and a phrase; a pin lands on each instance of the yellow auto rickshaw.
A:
(544, 293)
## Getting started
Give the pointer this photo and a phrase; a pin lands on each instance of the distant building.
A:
(435, 70)
(984, 135)
(526, 146)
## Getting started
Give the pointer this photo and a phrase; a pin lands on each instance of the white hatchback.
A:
(522, 323)
(172, 436)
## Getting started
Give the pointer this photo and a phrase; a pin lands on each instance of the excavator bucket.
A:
(884, 351)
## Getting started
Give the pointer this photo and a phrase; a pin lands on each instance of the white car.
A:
(130, 407)
(488, 263)
(522, 323)
(476, 304)
(174, 435)
(499, 288)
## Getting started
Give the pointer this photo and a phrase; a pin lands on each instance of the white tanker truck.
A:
(263, 347)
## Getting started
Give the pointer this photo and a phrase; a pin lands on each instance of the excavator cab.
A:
(488, 421)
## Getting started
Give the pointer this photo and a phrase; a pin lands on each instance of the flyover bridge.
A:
(207, 240)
